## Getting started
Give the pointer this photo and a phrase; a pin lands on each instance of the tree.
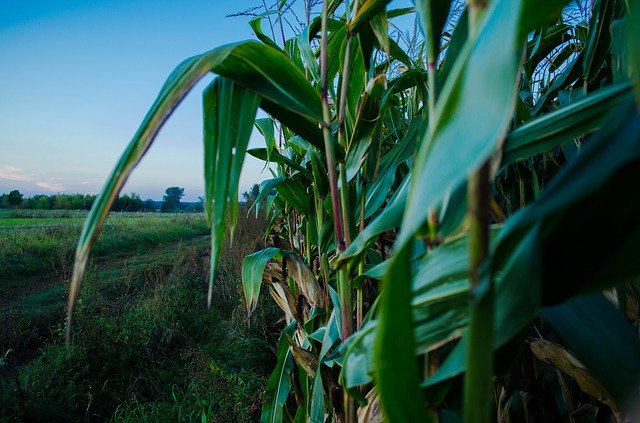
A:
(149, 205)
(250, 195)
(15, 198)
(171, 199)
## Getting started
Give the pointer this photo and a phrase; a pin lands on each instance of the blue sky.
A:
(77, 77)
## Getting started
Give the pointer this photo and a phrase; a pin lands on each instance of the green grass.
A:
(145, 346)
(46, 247)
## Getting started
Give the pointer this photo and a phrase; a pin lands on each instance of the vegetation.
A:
(441, 231)
(124, 203)
(146, 350)
(171, 199)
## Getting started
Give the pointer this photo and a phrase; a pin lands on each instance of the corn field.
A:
(453, 226)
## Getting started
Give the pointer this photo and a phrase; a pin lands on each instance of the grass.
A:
(145, 347)
(45, 246)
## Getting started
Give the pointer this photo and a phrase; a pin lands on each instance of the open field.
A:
(145, 347)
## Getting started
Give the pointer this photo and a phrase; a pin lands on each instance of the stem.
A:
(328, 140)
(344, 198)
(478, 395)
(479, 376)
(359, 292)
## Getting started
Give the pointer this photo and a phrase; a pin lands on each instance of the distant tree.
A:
(14, 198)
(198, 206)
(252, 194)
(149, 205)
(128, 203)
(171, 199)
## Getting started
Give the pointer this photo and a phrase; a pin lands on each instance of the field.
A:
(145, 348)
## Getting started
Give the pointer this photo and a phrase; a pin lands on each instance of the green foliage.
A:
(14, 198)
(145, 349)
(171, 199)
(526, 108)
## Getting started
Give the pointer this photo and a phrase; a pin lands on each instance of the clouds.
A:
(14, 174)
(24, 180)
(51, 186)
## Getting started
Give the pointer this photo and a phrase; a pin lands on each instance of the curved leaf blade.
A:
(229, 114)
(252, 269)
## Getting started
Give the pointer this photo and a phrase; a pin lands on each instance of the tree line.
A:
(125, 203)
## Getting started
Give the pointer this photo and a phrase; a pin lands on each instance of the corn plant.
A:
(438, 222)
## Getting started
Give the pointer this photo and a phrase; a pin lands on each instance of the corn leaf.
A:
(367, 10)
(279, 384)
(396, 367)
(595, 331)
(633, 35)
(586, 193)
(229, 114)
(468, 128)
(252, 269)
(556, 128)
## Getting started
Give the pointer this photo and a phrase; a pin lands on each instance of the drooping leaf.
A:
(367, 10)
(252, 270)
(564, 360)
(266, 187)
(256, 25)
(265, 127)
(224, 102)
(308, 56)
(306, 281)
(275, 157)
(279, 384)
(295, 194)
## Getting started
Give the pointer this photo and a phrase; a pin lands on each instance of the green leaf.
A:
(229, 114)
(599, 38)
(555, 128)
(279, 384)
(357, 368)
(380, 26)
(388, 219)
(256, 25)
(308, 56)
(252, 269)
(265, 127)
(396, 366)
(266, 187)
(294, 193)
(275, 157)
(433, 15)
(589, 191)
(595, 331)
(462, 136)
(367, 10)
(330, 337)
(633, 35)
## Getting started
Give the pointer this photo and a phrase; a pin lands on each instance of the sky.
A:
(78, 76)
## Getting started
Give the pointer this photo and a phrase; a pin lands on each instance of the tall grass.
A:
(46, 248)
(147, 349)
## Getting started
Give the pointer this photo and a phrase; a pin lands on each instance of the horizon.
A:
(78, 79)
